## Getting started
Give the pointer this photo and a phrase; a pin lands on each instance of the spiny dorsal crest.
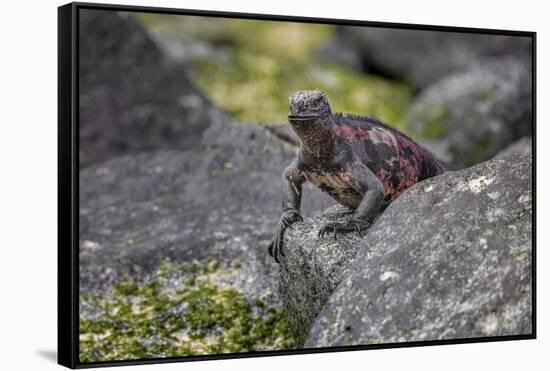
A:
(354, 116)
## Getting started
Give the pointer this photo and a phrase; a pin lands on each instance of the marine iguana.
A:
(358, 160)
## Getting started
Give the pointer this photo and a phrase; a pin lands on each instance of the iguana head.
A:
(307, 105)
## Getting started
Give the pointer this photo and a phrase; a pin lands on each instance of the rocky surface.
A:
(476, 113)
(523, 145)
(131, 97)
(450, 258)
(185, 229)
(222, 202)
(421, 57)
(314, 268)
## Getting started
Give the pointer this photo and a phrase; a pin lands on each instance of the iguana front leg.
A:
(367, 184)
(292, 196)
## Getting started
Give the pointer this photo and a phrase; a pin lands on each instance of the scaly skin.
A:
(358, 160)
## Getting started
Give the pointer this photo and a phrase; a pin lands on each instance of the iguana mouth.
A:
(298, 117)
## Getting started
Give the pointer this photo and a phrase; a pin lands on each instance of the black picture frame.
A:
(68, 181)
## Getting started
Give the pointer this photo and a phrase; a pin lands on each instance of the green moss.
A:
(253, 92)
(256, 65)
(300, 321)
(477, 153)
(149, 320)
(435, 122)
(127, 288)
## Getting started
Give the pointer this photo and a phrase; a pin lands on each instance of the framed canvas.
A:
(242, 185)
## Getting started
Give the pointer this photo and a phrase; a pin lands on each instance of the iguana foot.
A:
(349, 226)
(276, 245)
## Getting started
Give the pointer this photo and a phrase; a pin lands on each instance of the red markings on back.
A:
(350, 132)
(404, 146)
(406, 172)
(401, 171)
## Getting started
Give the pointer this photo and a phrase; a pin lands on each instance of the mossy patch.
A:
(299, 320)
(199, 316)
(253, 66)
(478, 152)
(434, 122)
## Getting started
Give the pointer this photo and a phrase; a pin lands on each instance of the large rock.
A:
(219, 202)
(131, 97)
(421, 57)
(449, 259)
(194, 226)
(476, 113)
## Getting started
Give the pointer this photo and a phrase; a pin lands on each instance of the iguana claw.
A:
(276, 245)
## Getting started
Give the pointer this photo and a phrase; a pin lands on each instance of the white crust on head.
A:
(309, 101)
